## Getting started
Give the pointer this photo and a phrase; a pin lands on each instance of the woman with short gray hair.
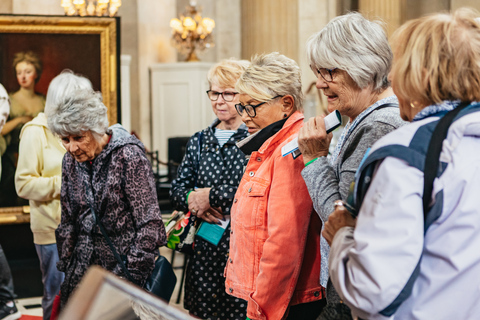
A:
(355, 45)
(38, 179)
(84, 111)
(106, 171)
(351, 58)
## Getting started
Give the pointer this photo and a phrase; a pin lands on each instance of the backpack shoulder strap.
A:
(433, 154)
(431, 170)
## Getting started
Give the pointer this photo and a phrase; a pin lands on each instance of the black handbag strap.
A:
(199, 152)
(110, 244)
(433, 153)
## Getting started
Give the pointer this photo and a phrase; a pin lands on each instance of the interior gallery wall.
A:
(243, 27)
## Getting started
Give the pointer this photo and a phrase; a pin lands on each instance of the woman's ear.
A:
(288, 104)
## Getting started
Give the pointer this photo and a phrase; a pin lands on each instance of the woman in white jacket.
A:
(390, 263)
(38, 179)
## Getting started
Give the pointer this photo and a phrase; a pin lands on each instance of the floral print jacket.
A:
(119, 185)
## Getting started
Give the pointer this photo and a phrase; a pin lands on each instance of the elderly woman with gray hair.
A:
(38, 179)
(351, 59)
(274, 261)
(104, 170)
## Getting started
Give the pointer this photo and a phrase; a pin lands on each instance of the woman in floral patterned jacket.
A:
(217, 169)
(105, 169)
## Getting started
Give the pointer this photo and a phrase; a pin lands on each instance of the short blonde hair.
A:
(226, 73)
(437, 58)
(272, 75)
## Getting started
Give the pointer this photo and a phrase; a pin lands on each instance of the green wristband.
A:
(306, 164)
(186, 200)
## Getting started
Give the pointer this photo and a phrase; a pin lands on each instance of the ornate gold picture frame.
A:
(87, 45)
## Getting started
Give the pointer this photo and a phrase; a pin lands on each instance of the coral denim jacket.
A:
(274, 244)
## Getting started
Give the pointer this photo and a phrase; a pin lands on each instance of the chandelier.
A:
(192, 32)
(90, 7)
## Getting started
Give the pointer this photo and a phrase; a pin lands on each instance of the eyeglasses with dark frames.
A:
(227, 96)
(250, 108)
(325, 73)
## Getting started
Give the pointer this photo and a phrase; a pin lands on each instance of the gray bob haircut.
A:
(81, 111)
(271, 75)
(356, 45)
(63, 85)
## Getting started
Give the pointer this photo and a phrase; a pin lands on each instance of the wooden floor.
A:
(31, 308)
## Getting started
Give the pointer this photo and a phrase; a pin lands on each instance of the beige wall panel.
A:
(153, 47)
(455, 4)
(129, 46)
(6, 6)
(416, 8)
(228, 36)
(392, 12)
(37, 7)
(313, 15)
(270, 25)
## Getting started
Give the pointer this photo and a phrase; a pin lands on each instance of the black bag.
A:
(162, 280)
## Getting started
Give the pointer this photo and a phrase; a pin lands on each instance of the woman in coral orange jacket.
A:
(274, 259)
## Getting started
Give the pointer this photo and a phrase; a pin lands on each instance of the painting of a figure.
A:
(26, 78)
(35, 49)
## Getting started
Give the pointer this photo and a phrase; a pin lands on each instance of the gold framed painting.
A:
(86, 45)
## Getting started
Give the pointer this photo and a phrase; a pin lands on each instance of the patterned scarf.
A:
(444, 106)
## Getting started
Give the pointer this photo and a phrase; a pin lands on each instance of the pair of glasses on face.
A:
(227, 96)
(250, 108)
(326, 74)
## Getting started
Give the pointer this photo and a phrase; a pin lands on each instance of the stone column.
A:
(455, 4)
(313, 15)
(270, 25)
(392, 12)
(285, 26)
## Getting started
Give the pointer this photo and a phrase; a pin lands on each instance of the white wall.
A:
(153, 47)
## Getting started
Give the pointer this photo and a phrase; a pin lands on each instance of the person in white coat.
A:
(38, 179)
(389, 263)
(4, 112)
(7, 305)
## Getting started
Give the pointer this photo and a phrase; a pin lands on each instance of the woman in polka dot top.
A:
(206, 184)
